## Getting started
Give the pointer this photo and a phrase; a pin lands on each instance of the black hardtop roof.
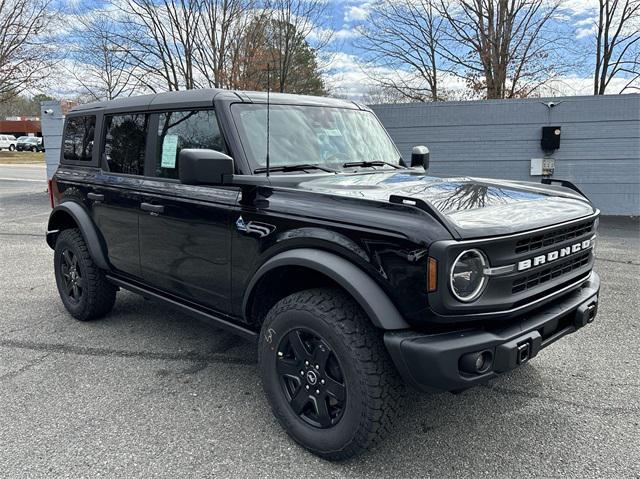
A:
(204, 98)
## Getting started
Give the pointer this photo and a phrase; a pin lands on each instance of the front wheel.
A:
(327, 374)
(12, 147)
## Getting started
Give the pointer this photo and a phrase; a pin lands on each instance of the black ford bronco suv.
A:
(293, 221)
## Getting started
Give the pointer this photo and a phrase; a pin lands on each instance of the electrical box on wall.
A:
(542, 166)
(550, 140)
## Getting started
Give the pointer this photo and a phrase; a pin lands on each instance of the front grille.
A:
(558, 269)
(552, 237)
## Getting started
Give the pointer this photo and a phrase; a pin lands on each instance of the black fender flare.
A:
(86, 226)
(367, 293)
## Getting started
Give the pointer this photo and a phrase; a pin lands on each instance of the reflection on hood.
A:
(470, 203)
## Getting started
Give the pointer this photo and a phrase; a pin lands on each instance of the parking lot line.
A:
(23, 179)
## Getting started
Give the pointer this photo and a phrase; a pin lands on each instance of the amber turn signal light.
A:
(432, 275)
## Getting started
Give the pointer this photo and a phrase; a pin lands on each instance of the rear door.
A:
(185, 246)
(116, 193)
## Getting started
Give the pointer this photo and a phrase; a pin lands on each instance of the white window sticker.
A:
(169, 150)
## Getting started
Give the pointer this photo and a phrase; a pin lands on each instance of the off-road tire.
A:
(98, 294)
(374, 391)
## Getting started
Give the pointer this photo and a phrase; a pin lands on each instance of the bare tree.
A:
(403, 37)
(617, 44)
(295, 25)
(100, 58)
(184, 44)
(163, 41)
(222, 26)
(248, 59)
(24, 54)
(502, 47)
(381, 94)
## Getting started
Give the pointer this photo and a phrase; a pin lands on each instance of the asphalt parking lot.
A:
(148, 392)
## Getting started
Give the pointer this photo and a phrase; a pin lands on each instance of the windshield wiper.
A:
(365, 164)
(286, 168)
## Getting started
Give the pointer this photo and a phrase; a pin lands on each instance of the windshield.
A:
(312, 135)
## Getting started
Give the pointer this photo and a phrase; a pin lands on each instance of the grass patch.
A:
(21, 158)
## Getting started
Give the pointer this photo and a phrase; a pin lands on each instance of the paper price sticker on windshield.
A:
(169, 150)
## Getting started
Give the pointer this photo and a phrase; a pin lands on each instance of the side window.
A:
(124, 144)
(184, 129)
(79, 134)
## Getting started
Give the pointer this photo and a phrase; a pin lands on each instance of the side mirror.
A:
(420, 157)
(204, 167)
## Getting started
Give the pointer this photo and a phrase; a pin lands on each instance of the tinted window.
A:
(184, 129)
(78, 138)
(124, 144)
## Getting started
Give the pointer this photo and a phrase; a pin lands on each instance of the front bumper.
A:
(441, 361)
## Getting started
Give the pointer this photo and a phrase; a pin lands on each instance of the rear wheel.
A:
(327, 374)
(83, 287)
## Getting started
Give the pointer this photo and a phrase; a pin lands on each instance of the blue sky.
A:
(345, 75)
(575, 21)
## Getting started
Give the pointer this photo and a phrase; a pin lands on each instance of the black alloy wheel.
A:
(83, 287)
(327, 375)
(311, 378)
(71, 276)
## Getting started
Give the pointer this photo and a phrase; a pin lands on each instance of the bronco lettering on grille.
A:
(554, 255)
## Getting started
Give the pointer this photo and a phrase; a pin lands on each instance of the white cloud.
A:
(345, 77)
(586, 32)
(322, 35)
(345, 33)
(356, 13)
(348, 77)
(580, 7)
(571, 85)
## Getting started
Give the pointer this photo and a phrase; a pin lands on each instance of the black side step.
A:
(185, 308)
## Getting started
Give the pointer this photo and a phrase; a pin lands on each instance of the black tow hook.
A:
(586, 313)
(524, 353)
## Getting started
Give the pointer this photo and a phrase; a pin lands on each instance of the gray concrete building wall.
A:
(599, 148)
(52, 122)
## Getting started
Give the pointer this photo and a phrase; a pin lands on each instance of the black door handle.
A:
(95, 196)
(152, 208)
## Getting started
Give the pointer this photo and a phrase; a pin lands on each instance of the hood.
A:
(475, 207)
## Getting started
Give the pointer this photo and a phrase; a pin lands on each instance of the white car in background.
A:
(7, 142)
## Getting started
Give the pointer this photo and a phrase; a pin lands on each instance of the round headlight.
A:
(467, 278)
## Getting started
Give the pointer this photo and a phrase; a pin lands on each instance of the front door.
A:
(185, 242)
(184, 230)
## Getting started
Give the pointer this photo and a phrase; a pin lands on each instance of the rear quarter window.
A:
(79, 135)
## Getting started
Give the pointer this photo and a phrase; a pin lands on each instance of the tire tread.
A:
(383, 388)
(101, 293)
